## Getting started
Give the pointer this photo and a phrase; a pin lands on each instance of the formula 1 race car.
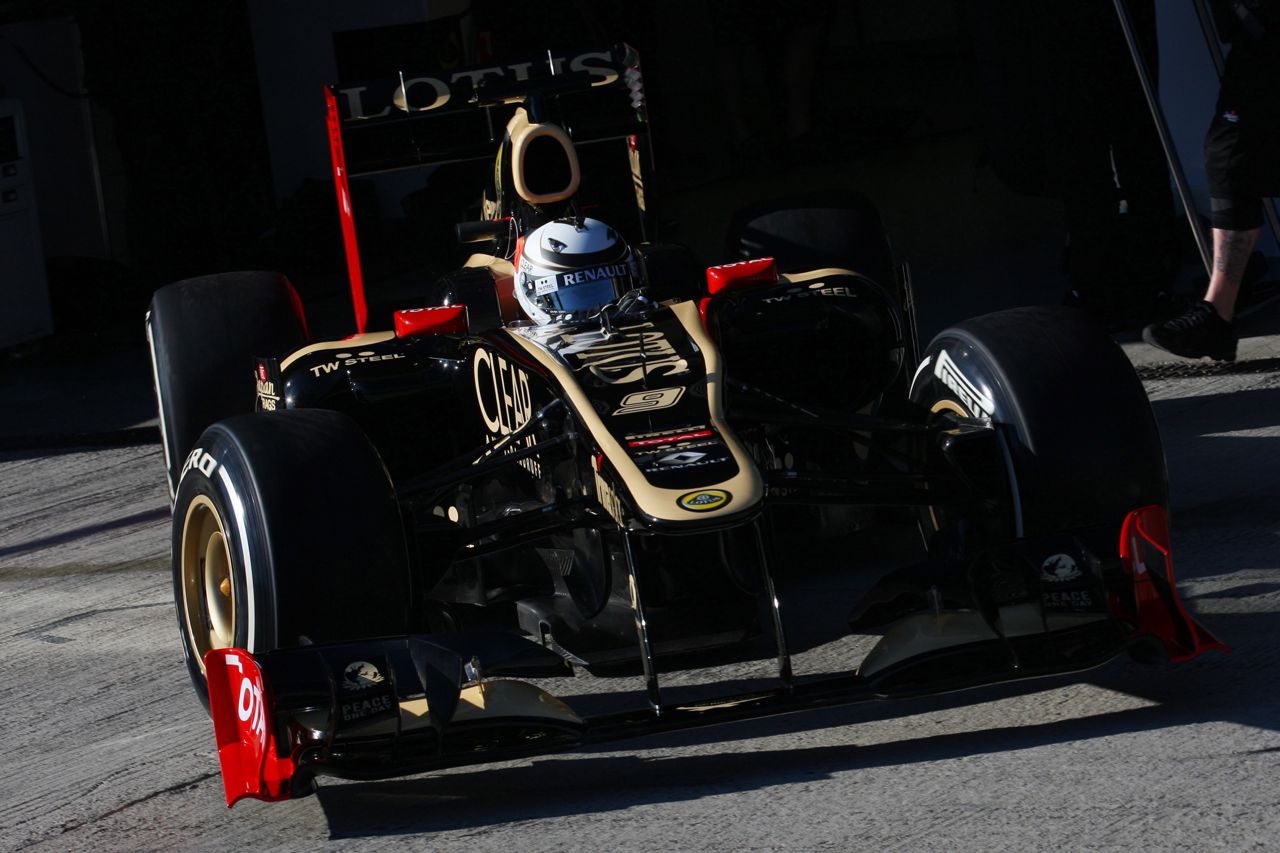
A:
(582, 462)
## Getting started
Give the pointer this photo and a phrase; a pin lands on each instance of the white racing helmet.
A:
(570, 268)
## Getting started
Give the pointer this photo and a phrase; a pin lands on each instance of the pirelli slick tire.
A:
(286, 531)
(812, 231)
(826, 229)
(1082, 444)
(205, 334)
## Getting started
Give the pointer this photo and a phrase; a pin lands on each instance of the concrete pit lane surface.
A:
(106, 747)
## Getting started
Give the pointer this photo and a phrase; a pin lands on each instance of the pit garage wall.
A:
(41, 67)
(51, 202)
(293, 46)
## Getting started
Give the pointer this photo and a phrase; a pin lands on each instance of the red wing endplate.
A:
(241, 707)
(1145, 555)
(338, 158)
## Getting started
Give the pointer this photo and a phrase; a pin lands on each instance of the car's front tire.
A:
(286, 531)
(1083, 448)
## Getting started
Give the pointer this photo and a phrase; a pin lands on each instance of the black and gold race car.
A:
(469, 532)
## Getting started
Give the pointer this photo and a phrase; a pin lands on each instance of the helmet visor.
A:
(587, 290)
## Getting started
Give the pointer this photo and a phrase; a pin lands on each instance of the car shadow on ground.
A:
(85, 531)
(1207, 415)
(1222, 476)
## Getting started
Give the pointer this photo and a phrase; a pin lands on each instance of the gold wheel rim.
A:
(944, 405)
(208, 590)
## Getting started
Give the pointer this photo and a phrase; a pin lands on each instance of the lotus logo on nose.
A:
(704, 501)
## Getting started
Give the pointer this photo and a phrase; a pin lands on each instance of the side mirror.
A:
(448, 319)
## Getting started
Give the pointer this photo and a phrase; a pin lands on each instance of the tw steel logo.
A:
(502, 394)
(348, 359)
(817, 288)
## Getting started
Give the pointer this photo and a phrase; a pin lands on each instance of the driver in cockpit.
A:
(569, 269)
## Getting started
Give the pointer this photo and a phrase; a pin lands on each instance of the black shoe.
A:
(1198, 333)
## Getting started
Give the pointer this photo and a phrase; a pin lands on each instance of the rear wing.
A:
(417, 120)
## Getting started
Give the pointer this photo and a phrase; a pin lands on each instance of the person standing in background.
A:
(1242, 161)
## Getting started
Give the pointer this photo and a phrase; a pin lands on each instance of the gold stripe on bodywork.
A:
(492, 701)
(747, 487)
(814, 275)
(354, 342)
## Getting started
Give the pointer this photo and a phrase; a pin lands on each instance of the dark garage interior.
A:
(164, 141)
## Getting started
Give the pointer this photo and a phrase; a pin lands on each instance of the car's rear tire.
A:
(205, 334)
(286, 531)
(670, 271)
(1083, 445)
(812, 231)
(841, 230)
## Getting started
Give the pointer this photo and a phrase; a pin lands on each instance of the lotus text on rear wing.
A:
(421, 93)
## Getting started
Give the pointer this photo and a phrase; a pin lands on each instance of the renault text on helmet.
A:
(570, 268)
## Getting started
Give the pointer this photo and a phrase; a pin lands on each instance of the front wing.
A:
(394, 706)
